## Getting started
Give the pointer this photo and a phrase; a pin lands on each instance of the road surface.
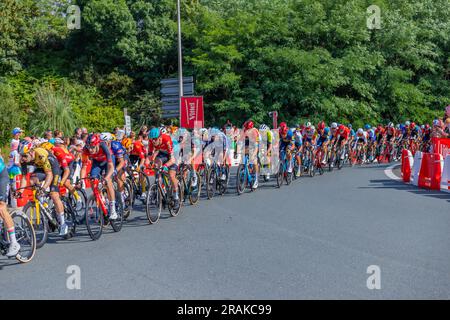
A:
(314, 239)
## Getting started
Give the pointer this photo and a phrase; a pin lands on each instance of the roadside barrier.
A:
(416, 168)
(445, 179)
(407, 161)
(431, 171)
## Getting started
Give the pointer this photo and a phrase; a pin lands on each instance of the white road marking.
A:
(389, 172)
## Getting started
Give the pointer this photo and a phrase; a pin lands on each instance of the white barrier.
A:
(417, 161)
(445, 178)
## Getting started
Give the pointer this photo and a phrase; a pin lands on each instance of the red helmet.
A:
(248, 125)
(93, 140)
(321, 125)
(427, 126)
(412, 125)
(283, 130)
(282, 125)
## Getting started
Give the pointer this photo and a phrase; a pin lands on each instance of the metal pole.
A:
(180, 57)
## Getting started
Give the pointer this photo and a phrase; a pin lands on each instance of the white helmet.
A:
(407, 123)
(120, 134)
(312, 128)
(360, 131)
(106, 136)
(163, 130)
(436, 122)
(263, 127)
(334, 125)
(390, 125)
(308, 124)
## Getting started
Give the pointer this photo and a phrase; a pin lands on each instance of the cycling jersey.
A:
(118, 149)
(298, 138)
(344, 135)
(63, 156)
(166, 145)
(103, 154)
(138, 149)
(287, 141)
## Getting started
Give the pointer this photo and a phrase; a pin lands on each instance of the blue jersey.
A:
(287, 141)
(2, 165)
(118, 149)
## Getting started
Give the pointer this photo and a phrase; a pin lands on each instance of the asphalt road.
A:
(313, 239)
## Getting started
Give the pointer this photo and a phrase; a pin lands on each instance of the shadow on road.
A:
(392, 184)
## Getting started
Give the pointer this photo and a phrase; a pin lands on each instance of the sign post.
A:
(127, 122)
(274, 115)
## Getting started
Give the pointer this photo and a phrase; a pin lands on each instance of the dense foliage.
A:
(308, 59)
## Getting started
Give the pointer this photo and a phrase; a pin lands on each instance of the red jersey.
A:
(390, 131)
(63, 156)
(165, 146)
(103, 154)
(344, 134)
(138, 149)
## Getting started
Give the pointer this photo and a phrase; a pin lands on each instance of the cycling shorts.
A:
(164, 158)
(4, 180)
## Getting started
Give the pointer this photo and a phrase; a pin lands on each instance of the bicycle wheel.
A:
(331, 161)
(312, 169)
(297, 169)
(117, 224)
(194, 191)
(94, 219)
(153, 205)
(78, 207)
(69, 217)
(211, 183)
(128, 197)
(25, 236)
(40, 227)
(174, 212)
(241, 181)
(280, 175)
(144, 186)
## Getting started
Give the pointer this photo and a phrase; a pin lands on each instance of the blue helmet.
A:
(154, 133)
(367, 127)
(214, 131)
(327, 130)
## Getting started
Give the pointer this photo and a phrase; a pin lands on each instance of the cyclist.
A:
(287, 144)
(341, 138)
(361, 138)
(160, 148)
(251, 135)
(14, 246)
(323, 140)
(138, 154)
(119, 155)
(99, 155)
(67, 163)
(48, 169)
(222, 158)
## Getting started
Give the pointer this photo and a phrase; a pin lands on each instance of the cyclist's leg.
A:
(14, 246)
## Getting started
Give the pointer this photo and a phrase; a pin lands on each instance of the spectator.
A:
(77, 133)
(59, 134)
(16, 133)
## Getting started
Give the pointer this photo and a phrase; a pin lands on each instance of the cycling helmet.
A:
(367, 127)
(350, 126)
(248, 125)
(407, 123)
(427, 126)
(327, 130)
(59, 141)
(308, 124)
(154, 133)
(46, 145)
(412, 125)
(25, 147)
(93, 140)
(334, 125)
(321, 125)
(162, 130)
(360, 131)
(106, 136)
(312, 128)
(398, 126)
(390, 125)
(263, 127)
(120, 134)
(282, 125)
(436, 122)
(283, 130)
(203, 131)
(214, 131)
(422, 127)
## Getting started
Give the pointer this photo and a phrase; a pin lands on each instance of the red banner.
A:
(191, 113)
(441, 145)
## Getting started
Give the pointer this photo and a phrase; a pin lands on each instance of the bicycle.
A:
(245, 176)
(318, 165)
(140, 183)
(186, 175)
(48, 222)
(97, 213)
(308, 161)
(25, 236)
(283, 173)
(214, 180)
(161, 195)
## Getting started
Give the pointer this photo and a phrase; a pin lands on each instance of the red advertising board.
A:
(191, 113)
(441, 145)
